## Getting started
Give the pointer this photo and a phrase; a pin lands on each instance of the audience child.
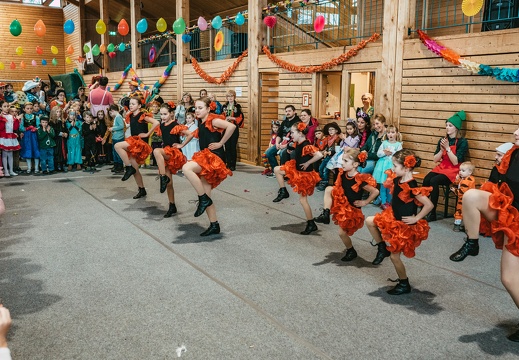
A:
(46, 144)
(363, 127)
(9, 95)
(28, 128)
(117, 131)
(13, 110)
(216, 106)
(90, 134)
(106, 142)
(349, 140)
(8, 138)
(74, 128)
(274, 127)
(332, 132)
(101, 152)
(464, 182)
(192, 146)
(57, 121)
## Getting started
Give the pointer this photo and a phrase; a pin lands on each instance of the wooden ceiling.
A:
(152, 10)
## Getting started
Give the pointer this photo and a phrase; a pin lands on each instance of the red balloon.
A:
(112, 54)
(13, 65)
(39, 50)
(123, 27)
(319, 23)
(270, 21)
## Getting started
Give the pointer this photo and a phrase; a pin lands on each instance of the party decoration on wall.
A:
(102, 48)
(504, 74)
(152, 55)
(110, 48)
(12, 66)
(121, 80)
(96, 50)
(22, 64)
(142, 26)
(319, 23)
(122, 47)
(54, 50)
(101, 27)
(69, 27)
(179, 26)
(218, 41)
(15, 28)
(123, 27)
(19, 51)
(161, 25)
(54, 62)
(44, 62)
(186, 38)
(112, 54)
(68, 61)
(325, 66)
(2, 66)
(270, 21)
(86, 48)
(39, 28)
(34, 63)
(39, 50)
(226, 75)
(471, 7)
(70, 50)
(240, 19)
(202, 24)
(164, 76)
(216, 23)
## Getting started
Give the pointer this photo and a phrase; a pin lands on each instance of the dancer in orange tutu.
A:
(207, 168)
(301, 176)
(344, 199)
(169, 157)
(401, 226)
(495, 207)
(135, 149)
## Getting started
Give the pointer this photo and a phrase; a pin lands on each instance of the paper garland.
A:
(226, 75)
(503, 74)
(157, 84)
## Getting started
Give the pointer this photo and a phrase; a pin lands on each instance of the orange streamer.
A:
(226, 75)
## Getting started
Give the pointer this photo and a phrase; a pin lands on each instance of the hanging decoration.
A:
(110, 48)
(121, 80)
(503, 74)
(471, 7)
(19, 51)
(216, 23)
(122, 47)
(142, 26)
(186, 38)
(44, 62)
(161, 25)
(152, 55)
(218, 41)
(240, 19)
(34, 63)
(319, 23)
(15, 28)
(39, 50)
(22, 64)
(179, 26)
(226, 75)
(2, 66)
(86, 48)
(202, 24)
(123, 27)
(39, 28)
(158, 84)
(112, 54)
(69, 27)
(70, 50)
(164, 76)
(96, 50)
(101, 27)
(325, 66)
(12, 66)
(68, 61)
(54, 50)
(270, 21)
(102, 48)
(55, 62)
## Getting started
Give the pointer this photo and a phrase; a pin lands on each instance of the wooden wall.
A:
(72, 12)
(28, 40)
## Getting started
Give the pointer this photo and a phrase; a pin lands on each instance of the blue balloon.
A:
(186, 38)
(142, 26)
(69, 27)
(44, 62)
(217, 22)
(122, 47)
(240, 19)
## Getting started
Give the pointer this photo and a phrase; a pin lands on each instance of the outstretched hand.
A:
(215, 145)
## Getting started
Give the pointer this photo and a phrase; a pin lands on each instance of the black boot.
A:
(471, 247)
(141, 193)
(119, 169)
(282, 194)
(402, 287)
(381, 253)
(310, 227)
(129, 171)
(214, 228)
(204, 202)
(164, 181)
(171, 211)
(514, 337)
(350, 255)
(324, 218)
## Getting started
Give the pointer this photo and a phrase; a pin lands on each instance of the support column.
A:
(389, 44)
(103, 14)
(82, 28)
(182, 7)
(135, 14)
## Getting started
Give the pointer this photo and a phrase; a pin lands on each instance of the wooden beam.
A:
(74, 2)
(104, 15)
(47, 2)
(182, 11)
(384, 103)
(135, 14)
(82, 24)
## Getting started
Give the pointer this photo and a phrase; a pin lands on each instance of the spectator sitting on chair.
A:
(283, 138)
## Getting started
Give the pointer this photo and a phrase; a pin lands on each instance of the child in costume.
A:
(28, 128)
(332, 132)
(207, 168)
(170, 158)
(8, 138)
(74, 128)
(102, 154)
(391, 143)
(47, 144)
(301, 175)
(135, 149)
(9, 95)
(344, 199)
(232, 110)
(349, 140)
(13, 110)
(57, 121)
(464, 182)
(273, 135)
(192, 146)
(90, 135)
(401, 226)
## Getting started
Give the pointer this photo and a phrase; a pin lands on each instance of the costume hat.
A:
(331, 125)
(503, 148)
(29, 85)
(457, 119)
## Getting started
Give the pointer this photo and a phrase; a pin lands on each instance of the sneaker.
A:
(377, 201)
(385, 206)
(266, 172)
(271, 175)
(12, 173)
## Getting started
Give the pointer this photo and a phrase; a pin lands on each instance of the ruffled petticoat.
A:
(303, 182)
(138, 149)
(214, 170)
(176, 159)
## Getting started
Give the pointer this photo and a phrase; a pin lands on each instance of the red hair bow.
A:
(410, 161)
(301, 126)
(363, 156)
(171, 104)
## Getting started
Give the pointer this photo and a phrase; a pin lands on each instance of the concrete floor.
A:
(90, 273)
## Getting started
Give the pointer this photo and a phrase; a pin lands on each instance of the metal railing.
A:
(235, 42)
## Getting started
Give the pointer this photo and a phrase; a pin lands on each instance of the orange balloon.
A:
(22, 64)
(102, 48)
(70, 50)
(39, 50)
(123, 27)
(13, 65)
(39, 28)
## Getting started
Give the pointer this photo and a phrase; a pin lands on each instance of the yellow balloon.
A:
(162, 25)
(2, 66)
(68, 61)
(100, 27)
(54, 50)
(19, 51)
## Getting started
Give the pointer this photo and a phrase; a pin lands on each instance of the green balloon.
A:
(15, 28)
(96, 50)
(54, 62)
(179, 26)
(110, 47)
(86, 48)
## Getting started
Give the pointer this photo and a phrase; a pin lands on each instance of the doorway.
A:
(360, 83)
(269, 83)
(329, 95)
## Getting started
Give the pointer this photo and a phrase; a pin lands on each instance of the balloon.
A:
(218, 41)
(15, 28)
(39, 50)
(2, 66)
(70, 50)
(161, 25)
(34, 63)
(112, 54)
(202, 24)
(270, 21)
(19, 51)
(186, 38)
(240, 19)
(95, 50)
(22, 64)
(152, 55)
(110, 47)
(142, 26)
(86, 48)
(39, 28)
(12, 66)
(217, 22)
(54, 62)
(68, 61)
(100, 27)
(102, 47)
(69, 27)
(44, 62)
(123, 27)
(54, 50)
(122, 47)
(319, 23)
(179, 26)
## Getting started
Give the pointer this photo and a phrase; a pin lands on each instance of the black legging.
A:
(435, 180)
(231, 148)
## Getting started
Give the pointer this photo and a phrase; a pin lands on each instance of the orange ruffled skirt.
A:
(348, 217)
(400, 236)
(138, 149)
(176, 159)
(303, 182)
(507, 223)
(214, 170)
